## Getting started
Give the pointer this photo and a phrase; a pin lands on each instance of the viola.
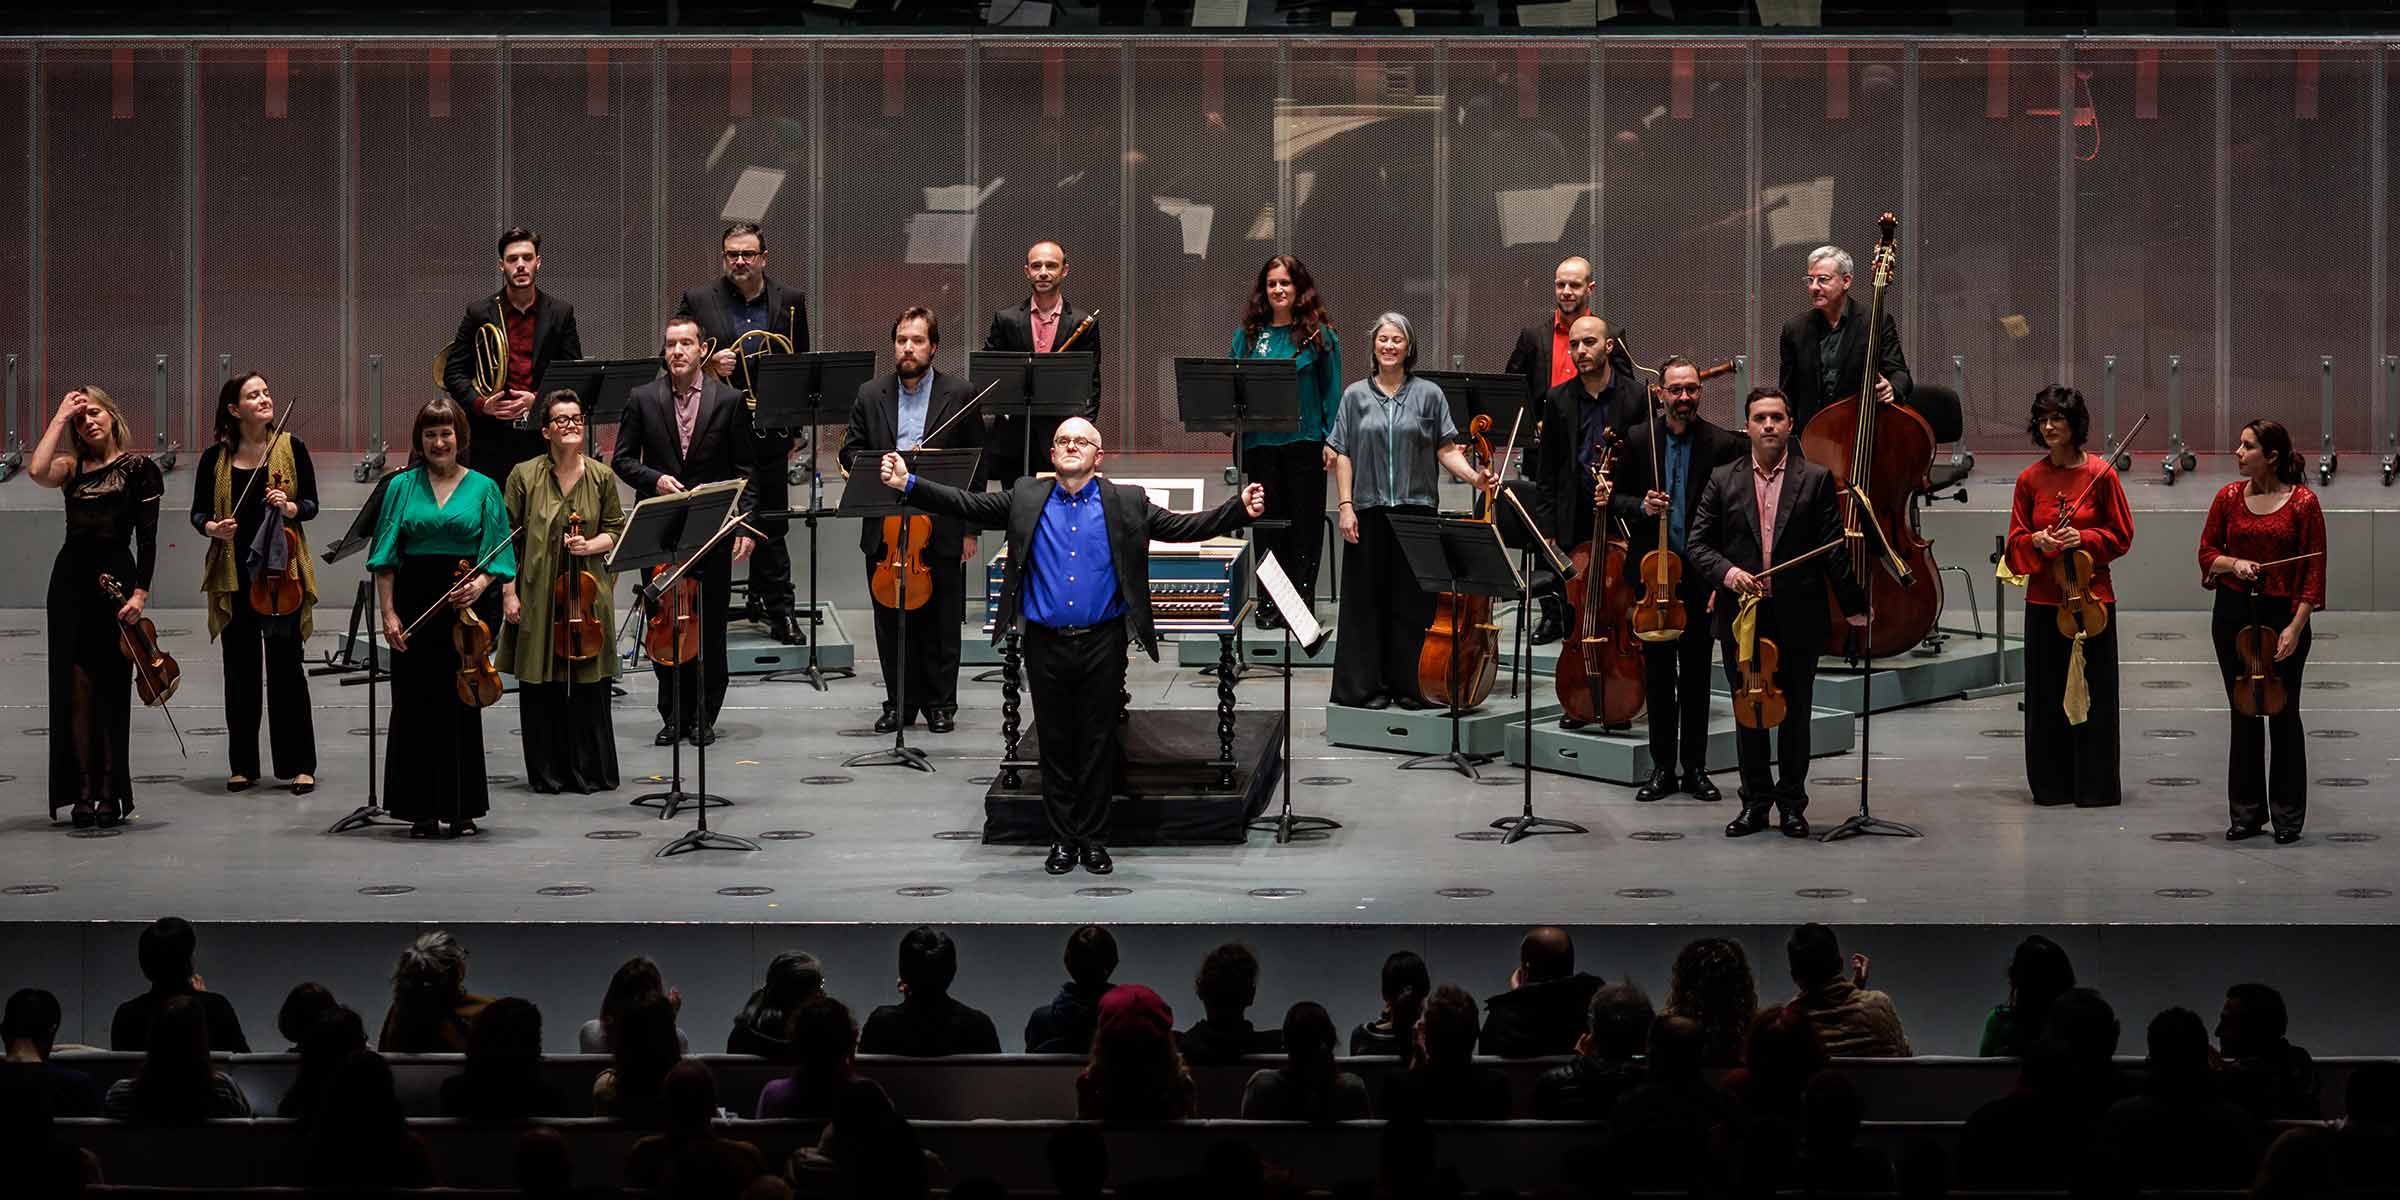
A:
(156, 674)
(278, 593)
(1758, 703)
(1880, 453)
(1603, 680)
(477, 681)
(901, 578)
(1460, 660)
(671, 633)
(576, 634)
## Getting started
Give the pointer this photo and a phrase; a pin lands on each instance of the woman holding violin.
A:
(2068, 522)
(1391, 437)
(559, 628)
(254, 489)
(112, 497)
(439, 520)
(1285, 319)
(2262, 550)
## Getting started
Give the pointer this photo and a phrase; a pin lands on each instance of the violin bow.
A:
(272, 434)
(2070, 506)
(1793, 562)
(963, 410)
(117, 591)
(488, 555)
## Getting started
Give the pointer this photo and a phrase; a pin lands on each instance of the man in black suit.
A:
(1824, 350)
(1689, 450)
(537, 328)
(1038, 326)
(1084, 543)
(1598, 397)
(683, 430)
(1541, 353)
(902, 411)
(1730, 545)
(744, 300)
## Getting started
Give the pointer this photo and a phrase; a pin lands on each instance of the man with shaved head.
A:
(1041, 324)
(1597, 398)
(1540, 357)
(1078, 585)
(1544, 1009)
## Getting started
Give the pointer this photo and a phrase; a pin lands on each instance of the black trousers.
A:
(1676, 676)
(2070, 764)
(1381, 627)
(1294, 476)
(1078, 680)
(433, 765)
(933, 637)
(248, 641)
(570, 737)
(1796, 674)
(2255, 788)
(700, 687)
(771, 563)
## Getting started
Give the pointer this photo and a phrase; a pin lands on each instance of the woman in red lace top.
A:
(2067, 762)
(2267, 516)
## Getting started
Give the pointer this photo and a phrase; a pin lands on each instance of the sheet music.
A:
(1295, 611)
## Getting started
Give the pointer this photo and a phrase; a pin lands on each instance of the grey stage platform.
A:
(1968, 665)
(1399, 731)
(1624, 757)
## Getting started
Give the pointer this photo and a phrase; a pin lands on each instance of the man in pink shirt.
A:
(1044, 322)
(1766, 508)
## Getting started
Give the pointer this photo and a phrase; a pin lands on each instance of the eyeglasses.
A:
(566, 422)
(1824, 280)
(1681, 389)
(1078, 443)
(740, 255)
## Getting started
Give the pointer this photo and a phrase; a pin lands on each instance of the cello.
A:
(1460, 660)
(1602, 680)
(1879, 453)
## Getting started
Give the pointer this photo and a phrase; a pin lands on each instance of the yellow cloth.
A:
(2008, 575)
(2078, 698)
(221, 574)
(1745, 628)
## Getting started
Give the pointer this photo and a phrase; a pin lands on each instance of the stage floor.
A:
(888, 845)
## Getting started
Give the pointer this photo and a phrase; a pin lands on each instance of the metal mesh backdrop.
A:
(302, 205)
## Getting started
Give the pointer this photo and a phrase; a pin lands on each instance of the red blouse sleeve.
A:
(2212, 533)
(2110, 534)
(2022, 557)
(2311, 530)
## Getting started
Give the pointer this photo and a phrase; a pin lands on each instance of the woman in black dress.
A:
(229, 507)
(112, 497)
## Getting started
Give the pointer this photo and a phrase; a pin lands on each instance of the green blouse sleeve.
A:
(1328, 397)
(384, 555)
(1241, 344)
(612, 505)
(495, 531)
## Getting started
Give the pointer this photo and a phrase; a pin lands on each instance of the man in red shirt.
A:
(538, 330)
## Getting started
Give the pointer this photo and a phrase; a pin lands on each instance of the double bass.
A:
(1460, 660)
(1602, 679)
(1879, 453)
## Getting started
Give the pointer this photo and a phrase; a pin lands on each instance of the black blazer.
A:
(1133, 523)
(1012, 329)
(646, 441)
(498, 445)
(875, 429)
(1801, 373)
(1711, 448)
(1531, 356)
(713, 306)
(1560, 483)
(1724, 533)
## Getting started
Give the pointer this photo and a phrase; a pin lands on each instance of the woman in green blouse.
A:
(1286, 320)
(437, 517)
(570, 738)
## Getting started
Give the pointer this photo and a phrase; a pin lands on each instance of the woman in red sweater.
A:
(2265, 517)
(2068, 761)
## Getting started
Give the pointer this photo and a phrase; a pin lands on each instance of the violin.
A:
(576, 634)
(1757, 702)
(156, 674)
(278, 593)
(671, 633)
(2080, 614)
(478, 681)
(1879, 454)
(1460, 660)
(2258, 689)
(1603, 680)
(901, 579)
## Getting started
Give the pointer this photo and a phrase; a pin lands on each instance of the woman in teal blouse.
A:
(1286, 320)
(437, 515)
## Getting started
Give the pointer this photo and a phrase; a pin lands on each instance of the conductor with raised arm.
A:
(1079, 580)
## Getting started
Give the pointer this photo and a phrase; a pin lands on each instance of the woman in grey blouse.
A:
(1391, 438)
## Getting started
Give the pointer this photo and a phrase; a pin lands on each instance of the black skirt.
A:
(91, 684)
(434, 768)
(570, 737)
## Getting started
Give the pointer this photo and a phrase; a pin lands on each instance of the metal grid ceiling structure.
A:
(2138, 217)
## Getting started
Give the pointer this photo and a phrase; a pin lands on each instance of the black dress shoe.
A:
(2238, 833)
(1378, 703)
(1061, 860)
(1697, 786)
(85, 816)
(889, 722)
(666, 736)
(1413, 703)
(1661, 785)
(109, 815)
(704, 735)
(941, 720)
(1096, 859)
(1795, 825)
(2283, 837)
(1752, 819)
(781, 628)
(422, 829)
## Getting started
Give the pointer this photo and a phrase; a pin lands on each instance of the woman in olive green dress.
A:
(570, 737)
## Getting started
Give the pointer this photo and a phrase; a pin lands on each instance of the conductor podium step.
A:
(1624, 756)
(1167, 794)
(1259, 648)
(1428, 732)
(749, 651)
(1969, 663)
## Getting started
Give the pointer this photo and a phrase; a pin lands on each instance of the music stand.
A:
(867, 499)
(1287, 824)
(680, 529)
(1448, 554)
(1240, 396)
(347, 663)
(1033, 385)
(1478, 393)
(791, 391)
(1864, 821)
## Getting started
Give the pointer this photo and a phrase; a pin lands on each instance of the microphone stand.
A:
(1865, 822)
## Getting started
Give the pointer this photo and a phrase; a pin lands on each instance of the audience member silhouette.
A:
(631, 1087)
(1542, 1012)
(688, 1159)
(165, 952)
(503, 1077)
(1831, 1160)
(359, 1139)
(1310, 1087)
(2301, 1164)
(1078, 1163)
(1607, 1059)
(636, 978)
(1443, 1081)
(39, 1160)
(2037, 973)
(29, 1028)
(1227, 985)
(2368, 1149)
(793, 978)
(301, 1007)
(868, 1151)
(431, 1007)
(1673, 1131)
(2268, 1076)
(1852, 1021)
(927, 1023)
(176, 1084)
(2177, 1132)
(1405, 984)
(1135, 1073)
(1064, 1026)
(824, 1042)
(324, 1047)
(1712, 985)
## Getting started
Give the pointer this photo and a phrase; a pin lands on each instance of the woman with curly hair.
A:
(1712, 985)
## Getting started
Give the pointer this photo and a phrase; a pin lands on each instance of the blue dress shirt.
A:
(1071, 578)
(913, 403)
(749, 315)
(1678, 468)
